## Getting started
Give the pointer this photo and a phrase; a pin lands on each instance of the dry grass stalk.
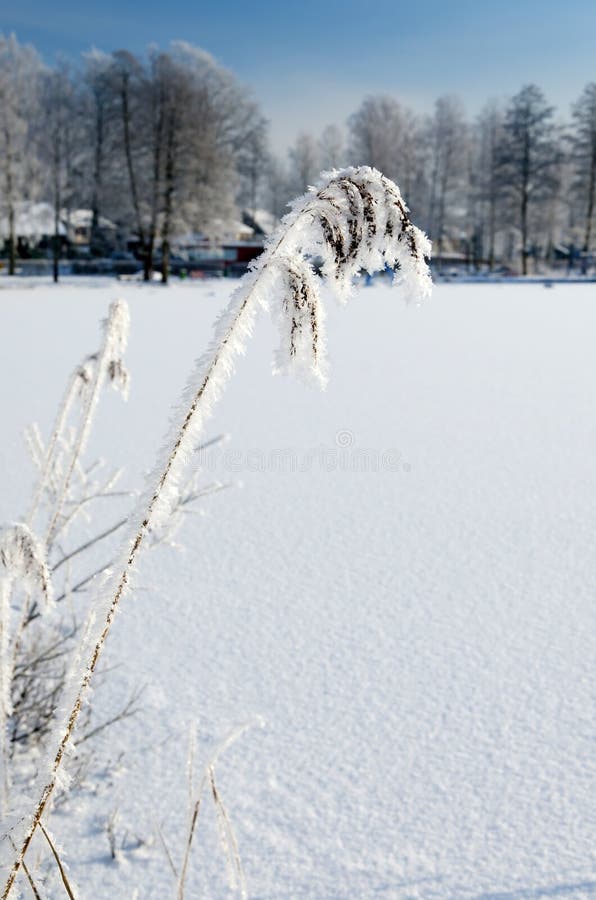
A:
(56, 855)
(227, 836)
(28, 875)
(236, 875)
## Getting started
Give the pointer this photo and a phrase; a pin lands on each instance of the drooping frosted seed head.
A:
(23, 560)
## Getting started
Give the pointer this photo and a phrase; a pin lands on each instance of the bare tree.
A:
(277, 187)
(332, 152)
(137, 139)
(20, 67)
(253, 158)
(489, 129)
(386, 135)
(57, 137)
(376, 132)
(447, 134)
(529, 159)
(99, 113)
(583, 142)
(223, 122)
(304, 162)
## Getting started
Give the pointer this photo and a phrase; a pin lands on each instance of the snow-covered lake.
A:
(401, 582)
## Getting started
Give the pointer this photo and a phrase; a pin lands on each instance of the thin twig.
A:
(125, 713)
(89, 543)
(231, 847)
(166, 849)
(28, 875)
(63, 875)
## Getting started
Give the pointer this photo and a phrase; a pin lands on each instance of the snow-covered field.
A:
(402, 586)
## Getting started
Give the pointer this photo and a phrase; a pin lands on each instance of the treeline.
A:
(514, 186)
(160, 145)
(172, 143)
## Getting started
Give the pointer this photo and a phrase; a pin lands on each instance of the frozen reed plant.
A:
(86, 382)
(22, 562)
(32, 659)
(354, 220)
(34, 668)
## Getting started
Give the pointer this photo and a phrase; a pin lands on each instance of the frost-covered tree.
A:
(489, 135)
(385, 134)
(583, 144)
(376, 134)
(175, 98)
(304, 162)
(277, 191)
(447, 137)
(221, 119)
(529, 160)
(184, 127)
(58, 147)
(332, 151)
(99, 118)
(20, 67)
(253, 159)
(140, 124)
(472, 233)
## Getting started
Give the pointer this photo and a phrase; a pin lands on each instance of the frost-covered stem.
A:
(208, 774)
(5, 685)
(106, 362)
(59, 863)
(358, 219)
(112, 334)
(61, 418)
(22, 561)
(28, 875)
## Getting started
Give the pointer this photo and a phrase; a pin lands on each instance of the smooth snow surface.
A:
(402, 586)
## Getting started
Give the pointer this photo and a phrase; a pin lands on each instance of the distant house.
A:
(229, 252)
(79, 223)
(261, 221)
(33, 227)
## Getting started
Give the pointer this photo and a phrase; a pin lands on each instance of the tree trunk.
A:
(524, 233)
(148, 248)
(492, 214)
(525, 181)
(10, 200)
(11, 240)
(97, 177)
(168, 201)
(157, 147)
(56, 240)
(591, 192)
(147, 256)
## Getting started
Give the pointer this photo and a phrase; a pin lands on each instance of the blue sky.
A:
(311, 63)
